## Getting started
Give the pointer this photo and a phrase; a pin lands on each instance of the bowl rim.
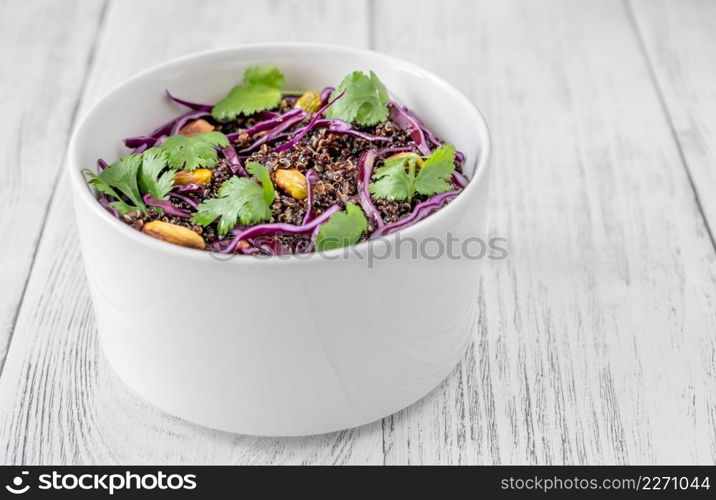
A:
(82, 192)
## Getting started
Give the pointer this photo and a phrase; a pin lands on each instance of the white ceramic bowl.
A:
(294, 346)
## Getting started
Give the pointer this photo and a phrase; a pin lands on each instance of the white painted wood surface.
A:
(680, 44)
(597, 337)
(44, 69)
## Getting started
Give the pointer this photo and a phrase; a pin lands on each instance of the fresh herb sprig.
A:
(342, 229)
(240, 200)
(364, 101)
(120, 178)
(191, 152)
(259, 91)
(154, 177)
(393, 182)
(261, 173)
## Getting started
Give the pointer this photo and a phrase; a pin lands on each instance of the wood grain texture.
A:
(597, 337)
(44, 67)
(596, 340)
(679, 40)
(59, 401)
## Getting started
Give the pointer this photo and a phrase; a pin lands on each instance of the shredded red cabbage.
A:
(191, 105)
(266, 124)
(391, 150)
(345, 128)
(365, 170)
(271, 135)
(139, 141)
(459, 157)
(184, 119)
(311, 180)
(278, 228)
(326, 94)
(188, 188)
(237, 166)
(165, 205)
(421, 211)
(187, 199)
(103, 201)
(410, 127)
(300, 134)
(458, 179)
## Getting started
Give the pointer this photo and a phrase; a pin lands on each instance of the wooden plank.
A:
(597, 337)
(44, 67)
(59, 401)
(679, 40)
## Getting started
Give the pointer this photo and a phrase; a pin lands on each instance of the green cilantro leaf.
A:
(434, 175)
(196, 151)
(101, 186)
(240, 199)
(267, 75)
(260, 90)
(121, 177)
(342, 229)
(364, 100)
(151, 178)
(393, 182)
(262, 174)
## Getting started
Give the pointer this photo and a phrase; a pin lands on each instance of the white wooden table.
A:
(597, 337)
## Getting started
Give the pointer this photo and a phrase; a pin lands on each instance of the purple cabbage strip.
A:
(141, 144)
(101, 164)
(326, 94)
(458, 179)
(345, 128)
(165, 128)
(188, 188)
(421, 211)
(191, 105)
(302, 132)
(193, 203)
(365, 170)
(237, 166)
(271, 135)
(184, 119)
(158, 135)
(103, 201)
(311, 180)
(430, 135)
(398, 149)
(271, 246)
(272, 122)
(398, 115)
(410, 126)
(276, 228)
(263, 116)
(139, 141)
(166, 206)
(314, 235)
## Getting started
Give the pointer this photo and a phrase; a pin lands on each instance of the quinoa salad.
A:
(271, 171)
